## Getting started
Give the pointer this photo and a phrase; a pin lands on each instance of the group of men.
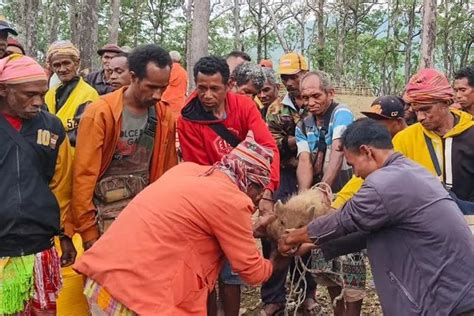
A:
(96, 158)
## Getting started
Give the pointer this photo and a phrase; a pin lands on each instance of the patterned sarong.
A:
(346, 271)
(30, 282)
(98, 295)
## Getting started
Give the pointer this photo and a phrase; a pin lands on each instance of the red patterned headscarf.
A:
(427, 86)
(247, 163)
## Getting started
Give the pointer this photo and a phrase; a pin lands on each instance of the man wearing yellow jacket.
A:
(450, 132)
(68, 99)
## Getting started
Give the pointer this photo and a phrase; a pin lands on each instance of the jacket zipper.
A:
(407, 294)
(20, 199)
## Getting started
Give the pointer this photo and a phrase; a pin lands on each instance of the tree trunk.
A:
(236, 13)
(428, 34)
(74, 19)
(88, 33)
(114, 21)
(340, 47)
(302, 23)
(53, 22)
(199, 46)
(188, 12)
(31, 13)
(321, 34)
(409, 44)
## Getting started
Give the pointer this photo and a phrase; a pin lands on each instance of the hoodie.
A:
(200, 144)
(460, 140)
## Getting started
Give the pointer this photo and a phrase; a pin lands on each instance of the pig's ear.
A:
(311, 212)
(278, 207)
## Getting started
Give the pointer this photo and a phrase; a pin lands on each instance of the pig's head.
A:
(298, 211)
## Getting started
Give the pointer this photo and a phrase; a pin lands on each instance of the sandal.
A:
(272, 309)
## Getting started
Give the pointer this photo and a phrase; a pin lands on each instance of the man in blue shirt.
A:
(318, 134)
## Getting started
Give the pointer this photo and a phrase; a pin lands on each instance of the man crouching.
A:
(164, 252)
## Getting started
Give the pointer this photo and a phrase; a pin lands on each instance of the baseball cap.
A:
(113, 48)
(4, 26)
(292, 63)
(266, 63)
(386, 107)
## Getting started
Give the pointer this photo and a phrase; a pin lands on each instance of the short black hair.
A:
(141, 56)
(366, 131)
(466, 72)
(211, 65)
(238, 53)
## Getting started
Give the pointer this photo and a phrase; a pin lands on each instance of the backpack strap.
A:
(433, 156)
(226, 135)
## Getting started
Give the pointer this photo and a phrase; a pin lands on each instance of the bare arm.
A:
(335, 163)
(304, 171)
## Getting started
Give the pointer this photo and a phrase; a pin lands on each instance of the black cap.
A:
(386, 107)
(4, 26)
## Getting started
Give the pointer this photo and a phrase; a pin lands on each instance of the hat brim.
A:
(377, 116)
(102, 51)
(289, 71)
(9, 30)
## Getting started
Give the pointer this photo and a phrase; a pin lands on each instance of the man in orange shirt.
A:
(175, 93)
(125, 141)
(182, 226)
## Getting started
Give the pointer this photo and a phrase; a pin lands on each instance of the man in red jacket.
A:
(214, 121)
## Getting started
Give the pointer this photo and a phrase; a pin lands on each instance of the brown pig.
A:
(299, 211)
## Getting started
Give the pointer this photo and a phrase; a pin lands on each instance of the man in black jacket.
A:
(35, 166)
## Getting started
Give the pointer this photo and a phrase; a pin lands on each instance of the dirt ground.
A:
(251, 302)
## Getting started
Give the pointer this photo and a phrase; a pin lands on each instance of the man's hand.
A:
(89, 244)
(68, 251)
(260, 227)
(290, 242)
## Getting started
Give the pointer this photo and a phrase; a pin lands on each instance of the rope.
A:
(297, 293)
(298, 290)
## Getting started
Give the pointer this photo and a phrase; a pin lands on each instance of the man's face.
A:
(315, 99)
(362, 162)
(148, 90)
(3, 43)
(65, 67)
(431, 115)
(269, 93)
(120, 75)
(247, 89)
(23, 100)
(464, 93)
(409, 116)
(233, 62)
(255, 192)
(211, 90)
(106, 58)
(292, 83)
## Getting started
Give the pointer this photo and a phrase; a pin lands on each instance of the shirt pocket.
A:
(187, 285)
